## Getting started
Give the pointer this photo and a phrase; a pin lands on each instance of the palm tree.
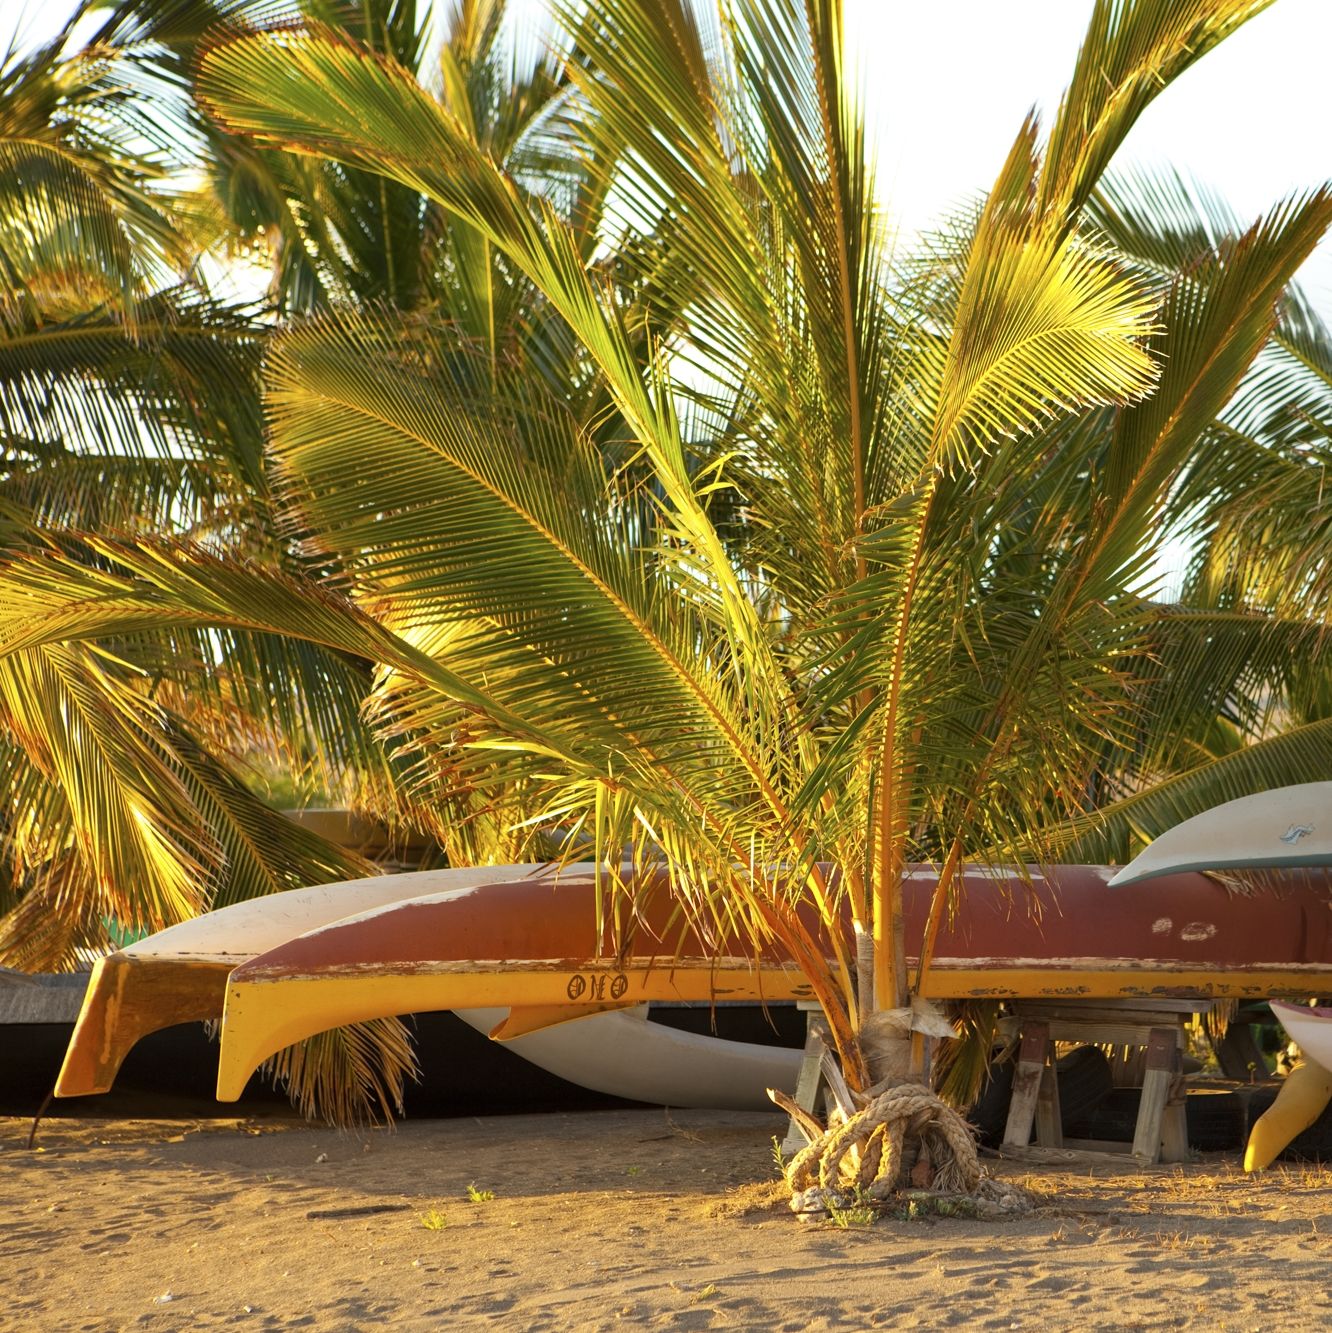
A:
(859, 576)
(133, 407)
(129, 397)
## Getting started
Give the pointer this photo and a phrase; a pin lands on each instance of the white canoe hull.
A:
(1290, 826)
(1309, 1029)
(245, 930)
(624, 1055)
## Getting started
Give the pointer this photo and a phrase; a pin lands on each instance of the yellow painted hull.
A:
(262, 1018)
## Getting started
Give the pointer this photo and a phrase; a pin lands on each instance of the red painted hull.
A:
(1061, 921)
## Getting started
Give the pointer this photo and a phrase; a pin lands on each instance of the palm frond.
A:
(79, 190)
(350, 1075)
(1132, 51)
(158, 416)
(128, 813)
(1115, 833)
(261, 850)
(344, 91)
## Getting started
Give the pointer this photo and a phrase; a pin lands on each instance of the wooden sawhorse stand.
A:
(820, 1077)
(1158, 1025)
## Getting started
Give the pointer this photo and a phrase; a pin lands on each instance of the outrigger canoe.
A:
(528, 945)
(180, 975)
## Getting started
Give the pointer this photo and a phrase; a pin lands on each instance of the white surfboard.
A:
(1289, 826)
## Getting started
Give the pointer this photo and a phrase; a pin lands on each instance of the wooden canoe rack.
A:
(820, 1078)
(1155, 1025)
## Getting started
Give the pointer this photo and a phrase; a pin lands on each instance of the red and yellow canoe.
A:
(528, 943)
(180, 974)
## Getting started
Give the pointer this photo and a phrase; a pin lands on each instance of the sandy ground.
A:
(612, 1220)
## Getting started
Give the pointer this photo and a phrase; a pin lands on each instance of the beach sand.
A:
(613, 1220)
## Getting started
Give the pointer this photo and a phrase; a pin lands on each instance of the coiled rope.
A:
(827, 1174)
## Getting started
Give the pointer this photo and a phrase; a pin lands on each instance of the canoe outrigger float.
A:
(523, 939)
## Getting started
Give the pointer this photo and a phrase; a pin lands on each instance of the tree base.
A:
(903, 1138)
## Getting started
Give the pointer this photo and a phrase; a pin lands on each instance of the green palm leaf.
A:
(1115, 833)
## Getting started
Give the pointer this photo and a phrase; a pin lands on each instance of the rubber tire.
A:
(1115, 1118)
(1085, 1081)
(989, 1113)
(1217, 1119)
(1238, 1052)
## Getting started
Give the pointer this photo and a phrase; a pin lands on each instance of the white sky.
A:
(948, 82)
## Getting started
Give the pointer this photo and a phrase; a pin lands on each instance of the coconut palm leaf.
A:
(1132, 51)
(126, 808)
(76, 192)
(349, 1075)
(161, 828)
(56, 591)
(160, 411)
(519, 530)
(261, 851)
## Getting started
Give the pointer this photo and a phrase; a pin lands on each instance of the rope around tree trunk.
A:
(825, 1173)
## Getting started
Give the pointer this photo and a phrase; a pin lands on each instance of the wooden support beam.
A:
(1049, 1122)
(1033, 1057)
(1161, 1115)
(810, 1083)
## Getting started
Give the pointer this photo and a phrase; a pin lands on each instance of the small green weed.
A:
(479, 1196)
(928, 1205)
(434, 1220)
(859, 1213)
